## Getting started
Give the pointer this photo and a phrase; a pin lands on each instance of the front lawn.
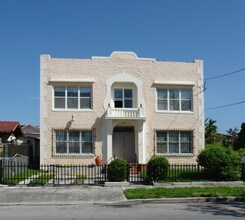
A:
(221, 191)
(42, 179)
(20, 176)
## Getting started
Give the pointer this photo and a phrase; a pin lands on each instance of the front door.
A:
(124, 143)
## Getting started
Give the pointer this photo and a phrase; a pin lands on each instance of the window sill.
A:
(84, 156)
(174, 112)
(72, 110)
(176, 155)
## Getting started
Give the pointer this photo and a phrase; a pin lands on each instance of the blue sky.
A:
(171, 30)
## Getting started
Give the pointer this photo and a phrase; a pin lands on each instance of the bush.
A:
(117, 170)
(157, 168)
(220, 163)
(241, 151)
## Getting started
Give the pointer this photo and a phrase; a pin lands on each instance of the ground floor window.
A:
(174, 142)
(73, 142)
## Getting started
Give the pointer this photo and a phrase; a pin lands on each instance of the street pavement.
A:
(168, 211)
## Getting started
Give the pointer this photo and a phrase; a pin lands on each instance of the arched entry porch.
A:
(123, 143)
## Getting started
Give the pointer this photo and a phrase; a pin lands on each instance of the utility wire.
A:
(216, 77)
(223, 106)
(177, 114)
(204, 89)
(196, 120)
(219, 76)
(226, 74)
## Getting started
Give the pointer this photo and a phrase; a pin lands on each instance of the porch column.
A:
(107, 140)
(141, 141)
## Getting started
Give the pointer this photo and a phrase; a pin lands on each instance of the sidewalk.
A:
(60, 195)
(78, 195)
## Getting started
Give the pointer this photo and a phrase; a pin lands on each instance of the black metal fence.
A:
(21, 174)
(53, 175)
(175, 172)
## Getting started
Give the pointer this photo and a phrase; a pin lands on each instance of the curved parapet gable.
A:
(123, 55)
(123, 78)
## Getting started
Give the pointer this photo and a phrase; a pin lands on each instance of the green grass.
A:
(18, 177)
(41, 179)
(81, 177)
(221, 191)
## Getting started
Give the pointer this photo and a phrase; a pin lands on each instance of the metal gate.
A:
(77, 174)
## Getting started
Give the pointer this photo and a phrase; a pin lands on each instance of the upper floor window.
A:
(123, 98)
(174, 142)
(174, 99)
(72, 97)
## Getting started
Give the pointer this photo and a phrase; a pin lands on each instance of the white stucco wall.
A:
(100, 72)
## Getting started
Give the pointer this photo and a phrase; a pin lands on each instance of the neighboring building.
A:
(120, 106)
(20, 139)
(11, 144)
(9, 131)
(31, 137)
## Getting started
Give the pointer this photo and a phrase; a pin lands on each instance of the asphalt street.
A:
(177, 211)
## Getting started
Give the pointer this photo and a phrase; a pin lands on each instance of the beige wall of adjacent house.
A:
(153, 74)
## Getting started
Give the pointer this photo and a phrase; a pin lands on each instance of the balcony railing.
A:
(125, 113)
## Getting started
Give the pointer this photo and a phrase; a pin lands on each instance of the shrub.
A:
(157, 168)
(241, 151)
(117, 170)
(220, 163)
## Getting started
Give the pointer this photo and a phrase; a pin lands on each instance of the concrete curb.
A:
(199, 184)
(177, 200)
(135, 201)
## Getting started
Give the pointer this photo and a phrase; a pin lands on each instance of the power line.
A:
(226, 74)
(223, 106)
(219, 76)
(196, 120)
(179, 111)
(204, 89)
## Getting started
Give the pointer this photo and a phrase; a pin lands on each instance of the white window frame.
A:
(78, 97)
(123, 97)
(168, 101)
(81, 141)
(179, 143)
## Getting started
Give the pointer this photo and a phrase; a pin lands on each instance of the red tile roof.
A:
(8, 126)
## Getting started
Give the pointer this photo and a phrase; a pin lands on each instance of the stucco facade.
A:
(133, 108)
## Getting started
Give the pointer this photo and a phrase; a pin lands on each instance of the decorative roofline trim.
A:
(123, 52)
(182, 83)
(69, 80)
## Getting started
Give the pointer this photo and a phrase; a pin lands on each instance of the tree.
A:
(210, 130)
(232, 132)
(240, 141)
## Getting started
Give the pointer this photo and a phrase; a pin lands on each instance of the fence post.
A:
(52, 166)
(128, 172)
(105, 171)
(1, 171)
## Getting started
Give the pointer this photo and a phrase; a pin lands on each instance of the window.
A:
(123, 98)
(73, 142)
(72, 97)
(174, 100)
(59, 97)
(174, 142)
